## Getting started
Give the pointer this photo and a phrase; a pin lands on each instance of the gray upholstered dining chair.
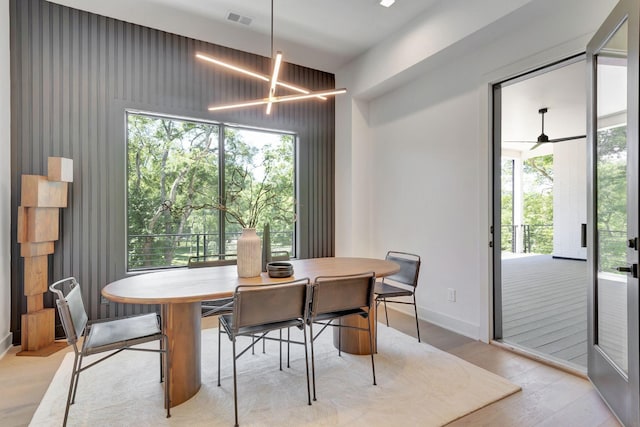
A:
(335, 297)
(259, 309)
(280, 256)
(212, 260)
(399, 285)
(111, 336)
(223, 305)
(220, 305)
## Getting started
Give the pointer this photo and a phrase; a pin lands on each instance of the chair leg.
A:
(375, 322)
(264, 345)
(339, 336)
(161, 360)
(386, 315)
(253, 347)
(219, 341)
(235, 383)
(289, 346)
(373, 366)
(280, 345)
(313, 361)
(306, 360)
(77, 379)
(415, 308)
(167, 382)
(163, 345)
(71, 382)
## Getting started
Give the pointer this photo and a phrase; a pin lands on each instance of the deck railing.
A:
(536, 238)
(151, 251)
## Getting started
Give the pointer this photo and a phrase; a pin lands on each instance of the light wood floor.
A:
(549, 397)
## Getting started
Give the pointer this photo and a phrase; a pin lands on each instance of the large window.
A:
(192, 186)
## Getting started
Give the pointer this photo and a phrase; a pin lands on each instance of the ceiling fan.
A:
(544, 139)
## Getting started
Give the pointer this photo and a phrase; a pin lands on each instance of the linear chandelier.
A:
(273, 80)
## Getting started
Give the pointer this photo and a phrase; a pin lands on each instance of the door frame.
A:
(496, 132)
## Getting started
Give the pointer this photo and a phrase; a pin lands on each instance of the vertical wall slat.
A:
(16, 161)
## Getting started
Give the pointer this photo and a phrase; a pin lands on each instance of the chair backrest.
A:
(280, 256)
(263, 304)
(213, 260)
(216, 260)
(333, 294)
(409, 268)
(70, 307)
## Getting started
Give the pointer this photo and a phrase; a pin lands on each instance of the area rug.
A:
(417, 385)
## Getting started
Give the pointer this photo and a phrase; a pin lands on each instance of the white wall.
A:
(569, 198)
(430, 203)
(353, 170)
(427, 190)
(5, 180)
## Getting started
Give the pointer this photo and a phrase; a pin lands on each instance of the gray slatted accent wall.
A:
(74, 73)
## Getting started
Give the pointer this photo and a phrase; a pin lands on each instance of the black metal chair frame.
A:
(206, 261)
(407, 276)
(109, 335)
(228, 259)
(220, 305)
(273, 314)
(223, 305)
(341, 302)
(280, 256)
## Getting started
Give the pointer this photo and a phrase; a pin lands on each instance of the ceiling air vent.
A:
(235, 17)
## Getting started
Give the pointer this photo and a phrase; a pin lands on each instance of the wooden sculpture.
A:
(38, 227)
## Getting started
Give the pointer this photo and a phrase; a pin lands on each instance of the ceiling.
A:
(321, 34)
(562, 91)
(344, 28)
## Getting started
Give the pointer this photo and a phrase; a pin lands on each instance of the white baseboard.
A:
(5, 344)
(455, 325)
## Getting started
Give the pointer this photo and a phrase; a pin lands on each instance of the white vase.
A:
(249, 254)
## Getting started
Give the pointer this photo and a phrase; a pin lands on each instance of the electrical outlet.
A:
(451, 295)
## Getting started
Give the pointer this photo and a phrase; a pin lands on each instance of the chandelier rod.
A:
(272, 29)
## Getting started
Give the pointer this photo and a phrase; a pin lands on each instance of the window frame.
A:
(221, 182)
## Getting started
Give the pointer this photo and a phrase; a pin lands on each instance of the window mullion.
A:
(221, 188)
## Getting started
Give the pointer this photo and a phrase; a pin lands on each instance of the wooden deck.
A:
(544, 307)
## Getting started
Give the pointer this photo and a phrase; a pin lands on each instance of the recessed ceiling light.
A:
(387, 3)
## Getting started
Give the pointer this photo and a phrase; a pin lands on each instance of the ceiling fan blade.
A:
(568, 138)
(522, 142)
(543, 138)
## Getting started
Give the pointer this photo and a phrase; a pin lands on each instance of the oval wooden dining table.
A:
(180, 292)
